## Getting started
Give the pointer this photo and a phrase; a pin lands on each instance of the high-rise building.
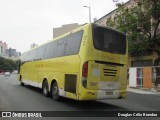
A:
(3, 48)
(8, 53)
(12, 52)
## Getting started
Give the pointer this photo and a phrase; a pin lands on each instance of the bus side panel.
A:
(52, 69)
(65, 70)
(29, 74)
(71, 76)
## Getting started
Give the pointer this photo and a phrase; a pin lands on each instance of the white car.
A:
(7, 74)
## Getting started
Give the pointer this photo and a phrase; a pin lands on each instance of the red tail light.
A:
(85, 69)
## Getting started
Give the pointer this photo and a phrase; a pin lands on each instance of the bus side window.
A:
(49, 50)
(40, 53)
(73, 43)
(59, 48)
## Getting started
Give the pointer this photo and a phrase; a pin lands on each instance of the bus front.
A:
(104, 59)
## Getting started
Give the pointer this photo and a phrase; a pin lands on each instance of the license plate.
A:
(109, 92)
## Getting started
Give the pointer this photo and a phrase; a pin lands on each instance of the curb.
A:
(143, 91)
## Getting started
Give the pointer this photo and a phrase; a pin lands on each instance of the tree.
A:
(7, 64)
(155, 39)
(140, 23)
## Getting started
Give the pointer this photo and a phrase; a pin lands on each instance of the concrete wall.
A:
(64, 29)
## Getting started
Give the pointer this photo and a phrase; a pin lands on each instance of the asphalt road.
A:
(14, 97)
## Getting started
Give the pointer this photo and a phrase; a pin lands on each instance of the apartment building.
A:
(147, 57)
(8, 53)
(3, 48)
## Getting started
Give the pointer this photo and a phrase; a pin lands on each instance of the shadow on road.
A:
(34, 89)
(81, 105)
(91, 105)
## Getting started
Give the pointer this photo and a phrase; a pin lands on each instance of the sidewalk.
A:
(142, 91)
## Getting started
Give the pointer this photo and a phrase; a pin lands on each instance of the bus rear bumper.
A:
(102, 94)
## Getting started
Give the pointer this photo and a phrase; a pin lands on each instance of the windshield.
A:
(108, 40)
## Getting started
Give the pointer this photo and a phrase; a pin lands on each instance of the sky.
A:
(23, 22)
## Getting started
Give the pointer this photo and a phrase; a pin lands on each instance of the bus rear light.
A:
(84, 82)
(85, 69)
(84, 74)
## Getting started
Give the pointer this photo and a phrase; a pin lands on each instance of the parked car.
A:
(7, 74)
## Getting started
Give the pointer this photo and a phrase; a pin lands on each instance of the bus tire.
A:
(21, 83)
(45, 88)
(55, 91)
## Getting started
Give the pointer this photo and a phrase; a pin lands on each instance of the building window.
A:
(141, 63)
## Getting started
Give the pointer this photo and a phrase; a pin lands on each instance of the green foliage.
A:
(7, 64)
(136, 23)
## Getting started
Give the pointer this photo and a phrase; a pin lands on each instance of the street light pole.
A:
(89, 13)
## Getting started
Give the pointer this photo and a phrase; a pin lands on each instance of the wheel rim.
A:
(55, 91)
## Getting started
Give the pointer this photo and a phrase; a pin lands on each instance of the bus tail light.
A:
(84, 74)
(85, 69)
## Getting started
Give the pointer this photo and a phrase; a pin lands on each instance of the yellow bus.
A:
(88, 63)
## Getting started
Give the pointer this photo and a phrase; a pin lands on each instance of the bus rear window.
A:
(108, 40)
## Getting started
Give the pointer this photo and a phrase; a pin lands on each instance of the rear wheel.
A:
(45, 88)
(21, 83)
(55, 91)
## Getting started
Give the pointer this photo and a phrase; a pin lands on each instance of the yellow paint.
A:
(56, 68)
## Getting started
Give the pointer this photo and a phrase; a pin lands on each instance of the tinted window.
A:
(59, 48)
(32, 55)
(108, 40)
(49, 50)
(25, 57)
(68, 45)
(73, 43)
(40, 53)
